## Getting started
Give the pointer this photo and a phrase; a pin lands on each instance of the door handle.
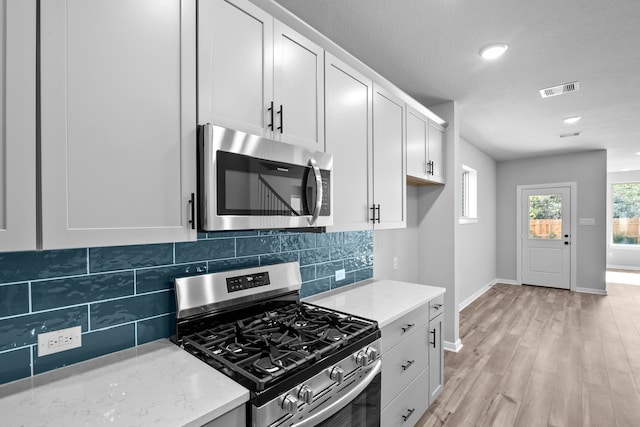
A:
(270, 109)
(281, 112)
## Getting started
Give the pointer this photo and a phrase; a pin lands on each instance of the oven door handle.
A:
(343, 401)
(318, 179)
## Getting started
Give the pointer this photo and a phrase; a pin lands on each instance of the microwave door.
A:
(270, 200)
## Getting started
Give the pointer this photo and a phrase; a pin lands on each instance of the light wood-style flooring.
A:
(536, 356)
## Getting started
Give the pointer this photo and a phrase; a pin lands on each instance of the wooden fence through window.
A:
(545, 228)
(626, 230)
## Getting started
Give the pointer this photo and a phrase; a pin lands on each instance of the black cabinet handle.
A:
(270, 109)
(378, 209)
(192, 205)
(407, 365)
(434, 337)
(409, 412)
(281, 112)
(409, 326)
(373, 213)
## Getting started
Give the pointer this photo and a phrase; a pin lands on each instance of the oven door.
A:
(358, 407)
(362, 411)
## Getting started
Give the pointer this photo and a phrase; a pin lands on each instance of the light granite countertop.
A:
(156, 384)
(381, 300)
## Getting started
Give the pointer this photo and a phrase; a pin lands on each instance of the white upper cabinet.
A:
(348, 100)
(298, 89)
(17, 125)
(425, 149)
(235, 66)
(389, 160)
(257, 75)
(436, 152)
(118, 121)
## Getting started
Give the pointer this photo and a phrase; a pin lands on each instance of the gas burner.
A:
(300, 323)
(234, 348)
(335, 335)
(265, 364)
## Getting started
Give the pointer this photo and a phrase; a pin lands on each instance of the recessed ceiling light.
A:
(638, 153)
(626, 170)
(493, 51)
(572, 120)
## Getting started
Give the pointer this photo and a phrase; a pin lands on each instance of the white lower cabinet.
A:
(407, 408)
(402, 364)
(412, 364)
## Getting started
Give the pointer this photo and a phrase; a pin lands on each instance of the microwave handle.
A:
(318, 178)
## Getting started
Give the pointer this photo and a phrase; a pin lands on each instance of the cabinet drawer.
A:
(436, 306)
(403, 363)
(403, 327)
(409, 406)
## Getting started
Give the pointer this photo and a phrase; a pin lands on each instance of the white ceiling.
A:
(429, 48)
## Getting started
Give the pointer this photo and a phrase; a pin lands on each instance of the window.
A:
(625, 211)
(469, 191)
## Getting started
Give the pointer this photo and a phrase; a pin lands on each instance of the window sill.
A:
(623, 247)
(468, 221)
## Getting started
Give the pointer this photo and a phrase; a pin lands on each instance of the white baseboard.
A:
(507, 281)
(476, 295)
(454, 347)
(592, 291)
(623, 267)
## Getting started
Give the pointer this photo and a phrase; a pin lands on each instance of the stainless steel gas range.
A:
(304, 365)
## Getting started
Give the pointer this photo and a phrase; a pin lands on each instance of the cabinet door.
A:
(235, 65)
(389, 188)
(436, 152)
(417, 140)
(348, 138)
(118, 121)
(436, 358)
(298, 89)
(17, 125)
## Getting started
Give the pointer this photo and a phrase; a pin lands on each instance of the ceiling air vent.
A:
(568, 135)
(559, 90)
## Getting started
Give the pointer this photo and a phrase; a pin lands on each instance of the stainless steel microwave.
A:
(250, 182)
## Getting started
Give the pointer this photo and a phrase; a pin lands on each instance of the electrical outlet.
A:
(61, 340)
(395, 263)
(340, 275)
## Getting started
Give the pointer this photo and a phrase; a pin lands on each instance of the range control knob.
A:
(361, 358)
(337, 374)
(372, 353)
(305, 394)
(290, 404)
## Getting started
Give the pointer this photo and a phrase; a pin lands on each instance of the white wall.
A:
(438, 207)
(401, 243)
(589, 171)
(620, 256)
(476, 242)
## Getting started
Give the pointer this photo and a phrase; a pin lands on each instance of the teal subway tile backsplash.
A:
(123, 296)
(21, 266)
(14, 299)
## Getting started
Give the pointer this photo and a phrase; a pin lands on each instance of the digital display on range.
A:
(240, 283)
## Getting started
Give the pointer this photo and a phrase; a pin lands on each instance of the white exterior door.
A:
(546, 237)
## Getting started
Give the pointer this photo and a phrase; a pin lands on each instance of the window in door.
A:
(545, 216)
(625, 209)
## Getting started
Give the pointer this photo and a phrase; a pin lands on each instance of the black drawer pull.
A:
(436, 306)
(434, 337)
(409, 412)
(409, 326)
(409, 363)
